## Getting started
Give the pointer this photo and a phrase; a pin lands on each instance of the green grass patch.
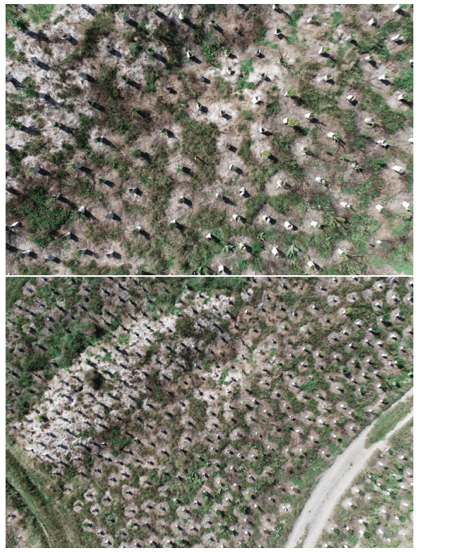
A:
(246, 115)
(45, 217)
(10, 47)
(246, 67)
(211, 50)
(223, 87)
(295, 15)
(40, 12)
(405, 80)
(93, 32)
(289, 203)
(335, 19)
(13, 291)
(388, 421)
(57, 526)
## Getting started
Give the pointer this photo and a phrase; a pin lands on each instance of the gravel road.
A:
(335, 481)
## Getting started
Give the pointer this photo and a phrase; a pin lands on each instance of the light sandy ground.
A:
(334, 483)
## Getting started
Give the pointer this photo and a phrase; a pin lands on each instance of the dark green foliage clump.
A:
(288, 203)
(10, 48)
(405, 80)
(95, 379)
(93, 31)
(167, 34)
(44, 216)
(199, 144)
(210, 50)
(185, 326)
(286, 159)
(117, 441)
(12, 15)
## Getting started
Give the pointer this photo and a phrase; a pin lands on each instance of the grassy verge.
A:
(28, 522)
(38, 503)
(14, 287)
(389, 421)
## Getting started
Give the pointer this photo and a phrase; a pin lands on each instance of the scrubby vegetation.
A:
(127, 97)
(191, 411)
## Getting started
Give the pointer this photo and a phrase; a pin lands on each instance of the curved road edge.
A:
(335, 480)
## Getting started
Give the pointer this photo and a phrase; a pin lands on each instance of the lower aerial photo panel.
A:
(209, 412)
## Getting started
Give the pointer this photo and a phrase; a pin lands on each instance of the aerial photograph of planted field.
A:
(209, 412)
(209, 139)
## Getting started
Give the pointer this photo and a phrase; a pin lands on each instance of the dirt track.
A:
(334, 482)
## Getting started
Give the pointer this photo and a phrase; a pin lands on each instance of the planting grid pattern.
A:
(197, 412)
(317, 195)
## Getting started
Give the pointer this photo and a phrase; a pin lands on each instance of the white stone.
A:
(401, 98)
(314, 223)
(331, 134)
(275, 251)
(242, 192)
(340, 251)
(411, 62)
(406, 205)
(345, 205)
(398, 169)
(350, 98)
(222, 269)
(320, 180)
(397, 8)
(266, 218)
(236, 217)
(372, 22)
(383, 77)
(285, 121)
(397, 38)
(379, 207)
(369, 120)
(382, 143)
(209, 236)
(327, 78)
(411, 140)
(308, 115)
(288, 225)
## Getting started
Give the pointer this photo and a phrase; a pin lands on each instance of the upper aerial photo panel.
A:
(209, 139)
